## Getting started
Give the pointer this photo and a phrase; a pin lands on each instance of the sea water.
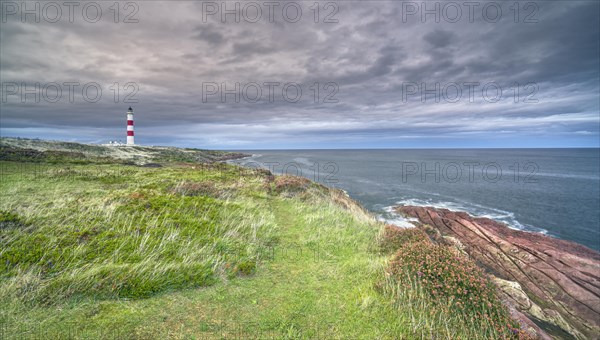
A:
(552, 191)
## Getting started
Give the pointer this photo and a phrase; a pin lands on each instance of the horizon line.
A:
(416, 148)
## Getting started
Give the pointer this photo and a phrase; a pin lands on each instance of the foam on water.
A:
(473, 209)
(244, 160)
(391, 217)
(590, 177)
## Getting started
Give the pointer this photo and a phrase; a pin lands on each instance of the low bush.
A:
(453, 283)
(291, 184)
(393, 238)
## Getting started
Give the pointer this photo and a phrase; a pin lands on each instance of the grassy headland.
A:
(94, 245)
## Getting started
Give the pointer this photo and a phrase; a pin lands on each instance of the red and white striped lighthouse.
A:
(130, 136)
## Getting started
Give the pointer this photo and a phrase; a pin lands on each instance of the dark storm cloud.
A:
(371, 54)
(439, 38)
(210, 34)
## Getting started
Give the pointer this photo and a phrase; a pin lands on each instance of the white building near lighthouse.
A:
(130, 135)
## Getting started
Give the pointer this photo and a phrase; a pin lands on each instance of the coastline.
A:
(522, 206)
(525, 264)
(229, 156)
(505, 217)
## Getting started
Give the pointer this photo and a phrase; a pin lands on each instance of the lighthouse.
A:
(130, 136)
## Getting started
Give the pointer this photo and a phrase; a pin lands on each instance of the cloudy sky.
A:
(292, 74)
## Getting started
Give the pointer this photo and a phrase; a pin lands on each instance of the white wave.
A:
(391, 217)
(548, 174)
(243, 160)
(476, 210)
(251, 161)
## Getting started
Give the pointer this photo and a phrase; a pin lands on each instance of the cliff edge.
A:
(553, 282)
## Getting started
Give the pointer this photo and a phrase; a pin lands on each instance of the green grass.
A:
(195, 251)
(238, 257)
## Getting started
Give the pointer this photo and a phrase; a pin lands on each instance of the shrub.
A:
(453, 282)
(20, 155)
(393, 238)
(291, 184)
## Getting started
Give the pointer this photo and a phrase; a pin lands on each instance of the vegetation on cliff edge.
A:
(194, 250)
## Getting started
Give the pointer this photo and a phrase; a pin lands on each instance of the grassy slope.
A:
(315, 261)
(104, 250)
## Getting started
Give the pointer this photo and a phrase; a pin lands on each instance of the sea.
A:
(551, 191)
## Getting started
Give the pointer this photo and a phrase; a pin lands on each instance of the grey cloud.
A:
(439, 38)
(370, 54)
(210, 34)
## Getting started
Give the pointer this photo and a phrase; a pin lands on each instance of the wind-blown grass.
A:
(121, 240)
(197, 251)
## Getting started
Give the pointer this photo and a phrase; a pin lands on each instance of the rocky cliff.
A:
(555, 283)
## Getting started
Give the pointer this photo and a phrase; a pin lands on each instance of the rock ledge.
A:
(560, 279)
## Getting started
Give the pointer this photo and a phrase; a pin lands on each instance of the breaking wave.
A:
(477, 210)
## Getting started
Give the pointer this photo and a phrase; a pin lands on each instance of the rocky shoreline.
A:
(230, 156)
(552, 285)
